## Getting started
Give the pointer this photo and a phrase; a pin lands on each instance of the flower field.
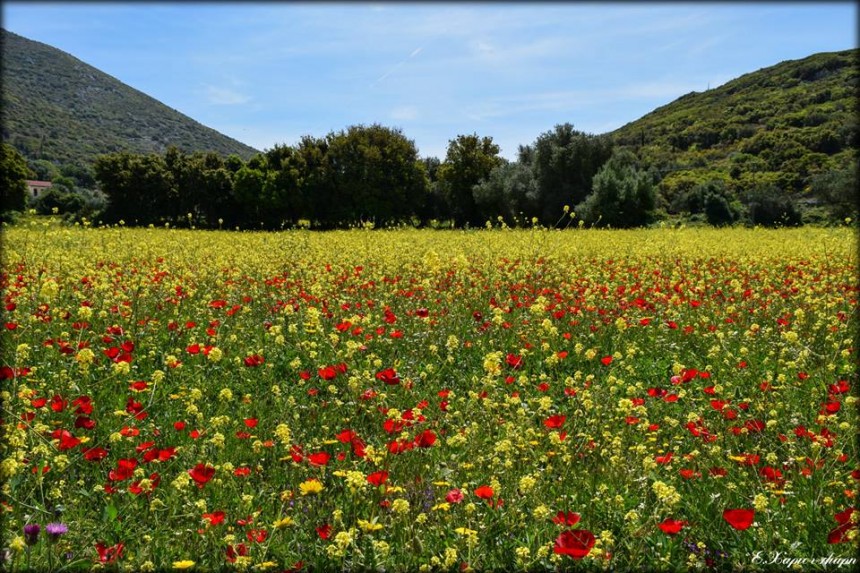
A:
(429, 401)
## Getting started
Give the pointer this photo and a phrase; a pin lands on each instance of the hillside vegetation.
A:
(57, 108)
(779, 126)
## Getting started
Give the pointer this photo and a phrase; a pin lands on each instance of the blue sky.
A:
(268, 73)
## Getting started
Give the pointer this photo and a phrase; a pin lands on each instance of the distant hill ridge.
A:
(59, 108)
(779, 125)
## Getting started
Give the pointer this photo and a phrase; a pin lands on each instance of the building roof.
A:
(39, 183)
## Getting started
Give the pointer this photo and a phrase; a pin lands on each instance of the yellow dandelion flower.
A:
(369, 526)
(310, 487)
(285, 521)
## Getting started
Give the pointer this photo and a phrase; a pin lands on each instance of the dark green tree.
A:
(80, 173)
(248, 192)
(624, 195)
(509, 192)
(711, 198)
(837, 190)
(564, 162)
(376, 175)
(469, 160)
(282, 198)
(318, 193)
(435, 206)
(140, 188)
(719, 211)
(768, 206)
(43, 170)
(13, 176)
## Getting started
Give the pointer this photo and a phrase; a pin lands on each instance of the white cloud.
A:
(224, 96)
(404, 113)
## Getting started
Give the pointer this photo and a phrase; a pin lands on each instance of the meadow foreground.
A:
(417, 400)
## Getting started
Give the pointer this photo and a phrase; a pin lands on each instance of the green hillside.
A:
(780, 126)
(58, 108)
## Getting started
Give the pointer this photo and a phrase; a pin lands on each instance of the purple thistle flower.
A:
(31, 533)
(55, 531)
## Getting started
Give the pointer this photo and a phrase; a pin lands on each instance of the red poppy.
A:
(555, 421)
(389, 376)
(241, 550)
(485, 492)
(296, 453)
(124, 469)
(85, 423)
(771, 474)
(214, 518)
(358, 447)
(665, 459)
(840, 533)
(254, 360)
(577, 543)
(257, 535)
(137, 490)
(377, 478)
(346, 436)
(327, 373)
(671, 526)
(831, 408)
(251, 422)
(166, 453)
(201, 473)
(138, 386)
(754, 426)
(515, 361)
(319, 458)
(84, 405)
(844, 516)
(324, 531)
(398, 447)
(109, 554)
(454, 496)
(425, 439)
(569, 518)
(95, 454)
(57, 403)
(839, 388)
(144, 446)
(740, 519)
(67, 440)
(606, 360)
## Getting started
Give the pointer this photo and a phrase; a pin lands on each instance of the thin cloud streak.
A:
(397, 66)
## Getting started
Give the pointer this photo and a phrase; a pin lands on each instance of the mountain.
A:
(58, 108)
(779, 126)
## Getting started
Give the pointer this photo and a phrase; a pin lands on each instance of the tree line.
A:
(373, 175)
